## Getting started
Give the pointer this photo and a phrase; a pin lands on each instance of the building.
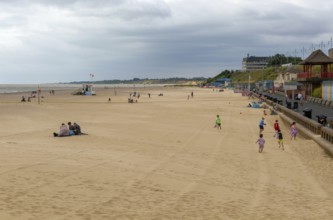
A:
(254, 63)
(282, 78)
(265, 85)
(222, 82)
(312, 80)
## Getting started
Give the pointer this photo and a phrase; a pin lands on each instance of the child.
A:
(261, 125)
(293, 130)
(218, 122)
(265, 112)
(276, 128)
(280, 137)
(261, 142)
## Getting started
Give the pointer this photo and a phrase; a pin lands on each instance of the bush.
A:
(317, 92)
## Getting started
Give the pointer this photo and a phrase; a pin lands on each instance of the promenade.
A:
(316, 109)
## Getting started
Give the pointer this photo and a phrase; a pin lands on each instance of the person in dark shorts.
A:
(261, 125)
(280, 139)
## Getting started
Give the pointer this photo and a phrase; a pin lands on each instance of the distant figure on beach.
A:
(261, 143)
(218, 122)
(71, 128)
(149, 95)
(280, 139)
(261, 125)
(109, 99)
(293, 130)
(192, 94)
(77, 129)
(23, 99)
(276, 128)
(63, 131)
(131, 100)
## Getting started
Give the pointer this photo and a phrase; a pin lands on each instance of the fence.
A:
(327, 134)
(308, 123)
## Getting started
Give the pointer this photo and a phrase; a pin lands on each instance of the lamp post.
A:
(249, 82)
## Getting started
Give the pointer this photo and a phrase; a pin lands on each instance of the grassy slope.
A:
(258, 75)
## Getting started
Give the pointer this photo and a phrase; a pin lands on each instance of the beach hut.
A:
(327, 90)
(222, 82)
(292, 89)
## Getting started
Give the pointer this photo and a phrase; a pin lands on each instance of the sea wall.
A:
(312, 129)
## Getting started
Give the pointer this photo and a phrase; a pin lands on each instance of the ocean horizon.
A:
(19, 88)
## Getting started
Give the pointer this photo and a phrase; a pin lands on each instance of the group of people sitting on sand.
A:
(133, 97)
(70, 130)
(24, 100)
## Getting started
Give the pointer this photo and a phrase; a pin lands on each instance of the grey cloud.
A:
(146, 38)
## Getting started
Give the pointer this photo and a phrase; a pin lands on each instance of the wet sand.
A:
(160, 158)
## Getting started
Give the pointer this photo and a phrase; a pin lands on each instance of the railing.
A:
(306, 75)
(328, 75)
(311, 125)
(308, 123)
(327, 134)
(303, 75)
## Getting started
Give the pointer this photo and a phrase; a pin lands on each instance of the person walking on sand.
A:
(261, 142)
(261, 125)
(293, 130)
(218, 122)
(280, 139)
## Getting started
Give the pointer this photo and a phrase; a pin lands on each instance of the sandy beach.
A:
(160, 158)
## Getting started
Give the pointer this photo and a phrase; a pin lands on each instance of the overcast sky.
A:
(45, 41)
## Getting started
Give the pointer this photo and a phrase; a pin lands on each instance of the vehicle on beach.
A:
(87, 89)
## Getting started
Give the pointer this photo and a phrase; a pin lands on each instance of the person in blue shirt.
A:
(261, 125)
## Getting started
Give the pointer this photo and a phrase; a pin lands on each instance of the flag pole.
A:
(38, 94)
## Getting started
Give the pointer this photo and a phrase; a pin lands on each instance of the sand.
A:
(160, 158)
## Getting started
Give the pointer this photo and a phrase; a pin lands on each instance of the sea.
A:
(21, 88)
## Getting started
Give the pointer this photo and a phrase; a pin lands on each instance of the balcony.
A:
(304, 76)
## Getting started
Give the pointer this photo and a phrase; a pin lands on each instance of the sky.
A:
(49, 41)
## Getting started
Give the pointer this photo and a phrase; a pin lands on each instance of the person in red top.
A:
(276, 128)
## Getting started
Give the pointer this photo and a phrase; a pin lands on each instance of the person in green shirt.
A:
(218, 122)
